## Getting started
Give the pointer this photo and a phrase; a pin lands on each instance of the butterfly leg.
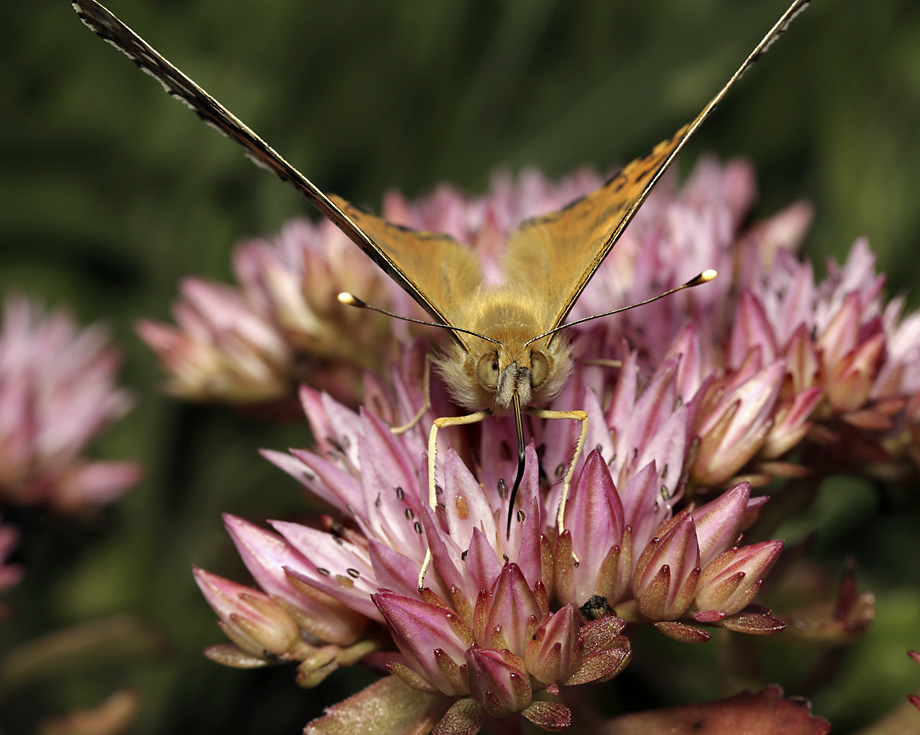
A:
(426, 403)
(582, 417)
(441, 423)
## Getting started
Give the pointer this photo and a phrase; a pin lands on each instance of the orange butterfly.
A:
(506, 354)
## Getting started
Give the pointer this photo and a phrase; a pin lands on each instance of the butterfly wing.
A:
(432, 268)
(559, 253)
(565, 247)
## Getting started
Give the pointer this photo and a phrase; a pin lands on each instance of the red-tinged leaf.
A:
(386, 706)
(754, 622)
(601, 633)
(551, 716)
(709, 616)
(465, 717)
(601, 666)
(763, 713)
(683, 633)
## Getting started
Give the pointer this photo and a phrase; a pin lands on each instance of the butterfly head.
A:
(492, 374)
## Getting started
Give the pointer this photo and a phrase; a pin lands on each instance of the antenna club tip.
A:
(705, 277)
(349, 299)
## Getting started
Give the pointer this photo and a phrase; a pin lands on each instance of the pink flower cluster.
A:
(57, 392)
(254, 344)
(699, 397)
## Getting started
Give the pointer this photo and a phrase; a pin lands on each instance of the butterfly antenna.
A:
(516, 403)
(699, 280)
(351, 300)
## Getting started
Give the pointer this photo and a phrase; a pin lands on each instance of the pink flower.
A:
(252, 620)
(221, 348)
(849, 358)
(650, 573)
(735, 577)
(501, 617)
(739, 414)
(712, 392)
(57, 391)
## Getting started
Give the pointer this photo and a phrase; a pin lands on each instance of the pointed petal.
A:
(332, 566)
(393, 571)
(666, 573)
(513, 606)
(733, 579)
(465, 502)
(595, 516)
(482, 563)
(418, 629)
(250, 618)
(718, 522)
(751, 328)
(265, 556)
(552, 652)
(498, 681)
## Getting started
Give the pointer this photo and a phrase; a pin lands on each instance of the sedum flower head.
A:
(504, 620)
(694, 403)
(57, 391)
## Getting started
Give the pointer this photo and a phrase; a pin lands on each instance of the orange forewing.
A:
(442, 271)
(564, 249)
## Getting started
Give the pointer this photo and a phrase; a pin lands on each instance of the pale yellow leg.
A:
(581, 416)
(426, 403)
(441, 423)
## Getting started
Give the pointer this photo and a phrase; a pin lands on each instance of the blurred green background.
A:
(110, 193)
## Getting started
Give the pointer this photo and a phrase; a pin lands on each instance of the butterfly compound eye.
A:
(487, 370)
(539, 368)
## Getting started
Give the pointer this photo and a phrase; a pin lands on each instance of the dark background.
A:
(110, 193)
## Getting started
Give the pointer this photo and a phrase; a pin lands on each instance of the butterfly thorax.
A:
(486, 374)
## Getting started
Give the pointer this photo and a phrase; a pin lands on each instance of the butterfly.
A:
(506, 353)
